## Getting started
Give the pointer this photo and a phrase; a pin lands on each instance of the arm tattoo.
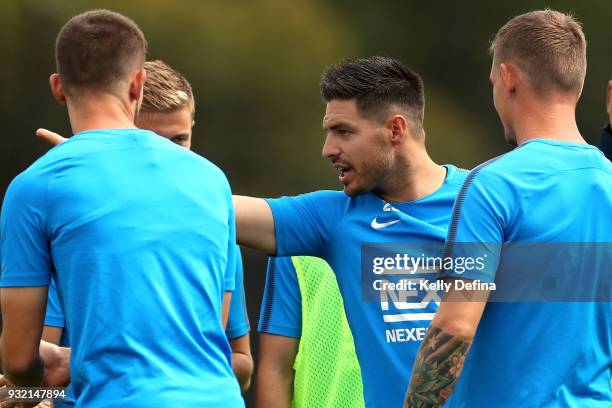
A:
(436, 369)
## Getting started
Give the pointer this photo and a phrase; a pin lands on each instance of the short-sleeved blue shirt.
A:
(281, 305)
(537, 354)
(238, 319)
(138, 234)
(54, 317)
(333, 226)
(237, 324)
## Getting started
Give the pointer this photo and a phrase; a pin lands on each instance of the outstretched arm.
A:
(254, 224)
(254, 220)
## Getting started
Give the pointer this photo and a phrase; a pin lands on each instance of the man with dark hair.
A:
(168, 108)
(393, 192)
(541, 217)
(605, 140)
(99, 214)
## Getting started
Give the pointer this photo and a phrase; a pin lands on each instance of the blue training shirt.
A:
(139, 234)
(237, 324)
(538, 353)
(238, 319)
(333, 226)
(281, 305)
(54, 317)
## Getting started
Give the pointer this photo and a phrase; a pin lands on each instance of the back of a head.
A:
(377, 84)
(98, 50)
(165, 89)
(548, 47)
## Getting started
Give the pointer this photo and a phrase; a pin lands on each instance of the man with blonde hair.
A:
(534, 343)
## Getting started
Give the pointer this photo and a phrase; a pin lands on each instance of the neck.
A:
(415, 178)
(100, 112)
(550, 120)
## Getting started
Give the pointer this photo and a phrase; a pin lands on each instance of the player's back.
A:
(554, 202)
(139, 231)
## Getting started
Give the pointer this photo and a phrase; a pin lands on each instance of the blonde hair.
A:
(548, 46)
(165, 89)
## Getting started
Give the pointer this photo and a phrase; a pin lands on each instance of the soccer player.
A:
(307, 353)
(553, 188)
(605, 141)
(393, 192)
(168, 109)
(137, 232)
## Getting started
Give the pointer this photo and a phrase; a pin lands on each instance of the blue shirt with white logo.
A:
(333, 226)
(138, 234)
(543, 195)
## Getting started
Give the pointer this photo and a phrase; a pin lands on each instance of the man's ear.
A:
(398, 124)
(56, 88)
(609, 100)
(137, 86)
(509, 77)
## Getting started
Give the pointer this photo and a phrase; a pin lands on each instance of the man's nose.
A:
(330, 149)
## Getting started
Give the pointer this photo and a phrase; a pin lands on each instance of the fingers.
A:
(50, 137)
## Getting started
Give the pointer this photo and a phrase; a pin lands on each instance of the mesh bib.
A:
(327, 372)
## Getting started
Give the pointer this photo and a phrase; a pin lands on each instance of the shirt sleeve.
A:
(476, 230)
(304, 224)
(281, 308)
(54, 315)
(238, 321)
(24, 243)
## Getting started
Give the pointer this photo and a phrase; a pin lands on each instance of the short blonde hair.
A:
(165, 89)
(548, 46)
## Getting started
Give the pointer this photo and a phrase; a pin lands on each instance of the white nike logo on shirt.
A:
(379, 225)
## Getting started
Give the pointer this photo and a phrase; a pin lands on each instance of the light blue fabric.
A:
(537, 354)
(333, 226)
(139, 235)
(281, 306)
(238, 319)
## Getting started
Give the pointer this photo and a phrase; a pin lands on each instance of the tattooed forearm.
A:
(436, 369)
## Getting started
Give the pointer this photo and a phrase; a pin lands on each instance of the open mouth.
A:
(344, 173)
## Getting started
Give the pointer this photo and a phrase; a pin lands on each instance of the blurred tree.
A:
(255, 67)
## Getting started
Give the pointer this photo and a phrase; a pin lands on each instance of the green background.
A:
(255, 67)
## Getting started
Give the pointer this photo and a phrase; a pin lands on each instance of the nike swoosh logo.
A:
(379, 225)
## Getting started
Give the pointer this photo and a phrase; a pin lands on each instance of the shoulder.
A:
(326, 195)
(455, 175)
(30, 184)
(493, 171)
(207, 166)
(322, 200)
